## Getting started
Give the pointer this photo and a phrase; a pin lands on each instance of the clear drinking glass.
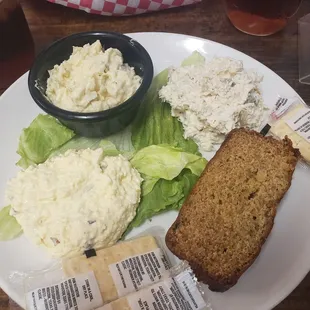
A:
(260, 17)
(304, 49)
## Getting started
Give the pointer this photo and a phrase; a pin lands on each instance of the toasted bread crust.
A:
(175, 239)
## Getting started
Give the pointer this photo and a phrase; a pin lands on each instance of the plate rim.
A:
(178, 36)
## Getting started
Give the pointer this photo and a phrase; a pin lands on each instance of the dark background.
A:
(207, 19)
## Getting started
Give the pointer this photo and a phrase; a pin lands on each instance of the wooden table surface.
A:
(49, 22)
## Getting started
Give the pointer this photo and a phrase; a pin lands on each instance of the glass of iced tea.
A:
(261, 17)
(16, 44)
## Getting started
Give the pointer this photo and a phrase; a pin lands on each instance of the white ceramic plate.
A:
(285, 258)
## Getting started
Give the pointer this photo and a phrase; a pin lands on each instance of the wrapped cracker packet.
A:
(99, 276)
(122, 7)
(181, 291)
(123, 268)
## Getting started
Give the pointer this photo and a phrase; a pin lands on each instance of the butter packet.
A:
(181, 291)
(291, 118)
(99, 276)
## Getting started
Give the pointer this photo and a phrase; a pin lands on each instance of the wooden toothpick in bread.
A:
(230, 212)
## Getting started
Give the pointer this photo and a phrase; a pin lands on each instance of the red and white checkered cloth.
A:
(122, 7)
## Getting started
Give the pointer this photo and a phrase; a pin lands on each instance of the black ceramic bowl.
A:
(95, 124)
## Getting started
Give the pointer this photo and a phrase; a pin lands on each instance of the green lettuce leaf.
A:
(115, 145)
(44, 135)
(166, 195)
(77, 143)
(122, 140)
(147, 184)
(195, 59)
(189, 180)
(109, 148)
(169, 175)
(154, 124)
(80, 143)
(9, 227)
(166, 162)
